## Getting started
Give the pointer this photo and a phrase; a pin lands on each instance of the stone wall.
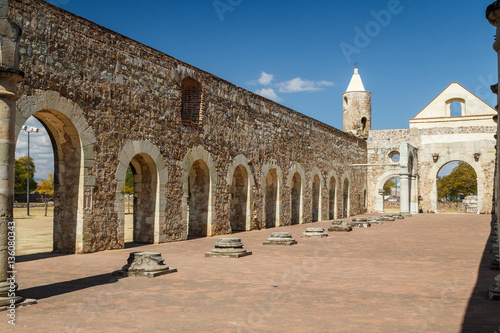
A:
(106, 99)
(472, 144)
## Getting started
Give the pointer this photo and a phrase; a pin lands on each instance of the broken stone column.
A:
(10, 75)
(495, 265)
(146, 265)
(280, 238)
(360, 222)
(495, 289)
(375, 220)
(387, 218)
(228, 248)
(315, 232)
(340, 226)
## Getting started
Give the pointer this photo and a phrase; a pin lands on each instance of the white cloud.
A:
(299, 85)
(268, 93)
(265, 78)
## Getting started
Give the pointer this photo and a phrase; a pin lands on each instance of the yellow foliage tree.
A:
(46, 189)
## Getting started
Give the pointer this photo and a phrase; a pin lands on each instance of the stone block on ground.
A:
(375, 220)
(280, 238)
(315, 232)
(495, 289)
(340, 226)
(387, 217)
(360, 222)
(228, 248)
(145, 264)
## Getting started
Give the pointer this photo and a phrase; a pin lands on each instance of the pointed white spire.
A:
(356, 84)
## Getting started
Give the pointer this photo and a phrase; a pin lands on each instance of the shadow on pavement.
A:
(61, 288)
(483, 315)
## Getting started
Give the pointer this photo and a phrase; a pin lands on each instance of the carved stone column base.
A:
(228, 248)
(340, 226)
(315, 232)
(6, 302)
(280, 238)
(360, 223)
(495, 289)
(146, 265)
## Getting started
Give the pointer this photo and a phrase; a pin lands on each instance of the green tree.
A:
(21, 175)
(129, 185)
(388, 186)
(46, 189)
(462, 181)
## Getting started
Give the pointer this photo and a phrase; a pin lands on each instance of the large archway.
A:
(150, 176)
(73, 143)
(457, 188)
(239, 199)
(296, 199)
(332, 199)
(271, 198)
(392, 195)
(316, 198)
(198, 199)
(346, 200)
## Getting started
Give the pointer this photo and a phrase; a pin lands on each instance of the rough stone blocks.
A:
(340, 226)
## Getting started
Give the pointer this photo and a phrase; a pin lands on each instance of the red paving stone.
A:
(427, 273)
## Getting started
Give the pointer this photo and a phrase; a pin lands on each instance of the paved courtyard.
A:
(427, 273)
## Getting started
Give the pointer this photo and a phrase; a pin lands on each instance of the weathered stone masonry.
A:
(109, 101)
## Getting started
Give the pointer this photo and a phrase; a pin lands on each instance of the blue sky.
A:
(301, 53)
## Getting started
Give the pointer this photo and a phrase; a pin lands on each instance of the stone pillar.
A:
(493, 16)
(413, 195)
(380, 200)
(9, 77)
(404, 201)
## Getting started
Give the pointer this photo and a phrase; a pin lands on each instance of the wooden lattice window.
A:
(191, 101)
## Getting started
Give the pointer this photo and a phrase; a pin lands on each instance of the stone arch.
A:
(198, 166)
(317, 194)
(380, 186)
(296, 180)
(150, 179)
(271, 181)
(332, 195)
(73, 142)
(241, 181)
(458, 156)
(346, 195)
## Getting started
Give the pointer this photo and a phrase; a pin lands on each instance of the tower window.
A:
(346, 101)
(191, 101)
(363, 123)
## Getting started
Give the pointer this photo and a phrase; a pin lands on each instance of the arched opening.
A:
(316, 190)
(346, 101)
(346, 198)
(363, 123)
(198, 199)
(67, 221)
(392, 195)
(271, 198)
(129, 206)
(34, 233)
(145, 177)
(457, 188)
(365, 199)
(332, 214)
(191, 101)
(296, 199)
(239, 199)
(455, 109)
